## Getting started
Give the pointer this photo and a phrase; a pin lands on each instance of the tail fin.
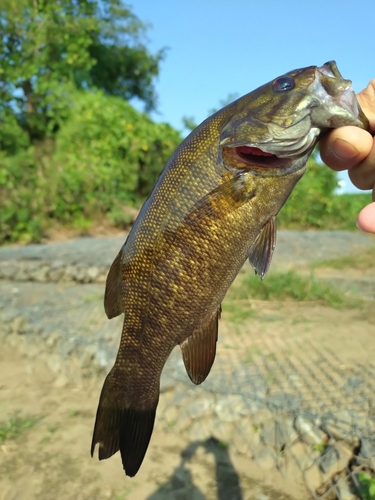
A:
(125, 429)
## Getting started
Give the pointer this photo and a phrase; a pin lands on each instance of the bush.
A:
(314, 205)
(104, 157)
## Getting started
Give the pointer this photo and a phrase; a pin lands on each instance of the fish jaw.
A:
(338, 104)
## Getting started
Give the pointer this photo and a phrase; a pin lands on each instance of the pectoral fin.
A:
(261, 251)
(112, 296)
(199, 350)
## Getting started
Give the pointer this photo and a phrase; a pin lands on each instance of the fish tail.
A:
(119, 427)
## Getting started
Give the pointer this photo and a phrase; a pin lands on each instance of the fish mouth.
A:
(256, 157)
(276, 152)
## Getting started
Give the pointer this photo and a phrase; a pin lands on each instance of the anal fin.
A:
(112, 296)
(199, 350)
(261, 251)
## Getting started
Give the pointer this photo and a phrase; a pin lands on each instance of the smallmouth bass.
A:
(213, 206)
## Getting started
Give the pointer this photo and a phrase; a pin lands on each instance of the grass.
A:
(319, 447)
(15, 426)
(239, 311)
(362, 262)
(281, 286)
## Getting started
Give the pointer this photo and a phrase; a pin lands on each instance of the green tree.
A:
(48, 47)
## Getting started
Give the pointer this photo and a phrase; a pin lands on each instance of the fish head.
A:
(281, 122)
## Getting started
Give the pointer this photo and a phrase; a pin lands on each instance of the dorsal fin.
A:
(261, 251)
(112, 296)
(199, 350)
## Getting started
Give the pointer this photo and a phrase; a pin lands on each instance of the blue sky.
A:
(222, 47)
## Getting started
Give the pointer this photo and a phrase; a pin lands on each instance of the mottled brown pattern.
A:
(203, 218)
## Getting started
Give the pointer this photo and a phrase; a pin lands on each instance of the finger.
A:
(345, 147)
(366, 219)
(366, 100)
(363, 174)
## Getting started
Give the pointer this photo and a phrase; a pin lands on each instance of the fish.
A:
(213, 207)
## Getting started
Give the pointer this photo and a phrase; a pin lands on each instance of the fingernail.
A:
(359, 227)
(344, 149)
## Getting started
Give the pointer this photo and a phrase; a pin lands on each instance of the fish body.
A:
(213, 206)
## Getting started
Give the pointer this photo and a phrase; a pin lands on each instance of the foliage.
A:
(105, 156)
(49, 47)
(310, 201)
(15, 426)
(367, 483)
(314, 205)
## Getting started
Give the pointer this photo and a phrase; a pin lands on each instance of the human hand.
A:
(354, 149)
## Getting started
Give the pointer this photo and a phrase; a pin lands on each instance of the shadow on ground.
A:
(180, 485)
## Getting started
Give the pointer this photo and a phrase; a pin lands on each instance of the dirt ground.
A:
(51, 460)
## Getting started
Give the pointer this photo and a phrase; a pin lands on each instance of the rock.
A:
(198, 431)
(284, 401)
(308, 432)
(23, 270)
(86, 360)
(170, 415)
(18, 325)
(335, 458)
(55, 363)
(228, 407)
(7, 270)
(80, 274)
(101, 358)
(40, 274)
(268, 434)
(313, 478)
(102, 278)
(56, 274)
(250, 381)
(261, 416)
(52, 339)
(339, 424)
(343, 490)
(266, 458)
(285, 432)
(92, 273)
(61, 381)
(242, 444)
(34, 350)
(222, 431)
(70, 273)
(202, 406)
(301, 454)
(367, 451)
(167, 381)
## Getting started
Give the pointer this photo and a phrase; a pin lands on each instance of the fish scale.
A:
(213, 206)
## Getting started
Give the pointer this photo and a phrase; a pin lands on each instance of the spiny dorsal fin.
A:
(112, 297)
(261, 251)
(199, 350)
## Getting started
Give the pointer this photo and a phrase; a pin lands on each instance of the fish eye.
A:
(283, 84)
